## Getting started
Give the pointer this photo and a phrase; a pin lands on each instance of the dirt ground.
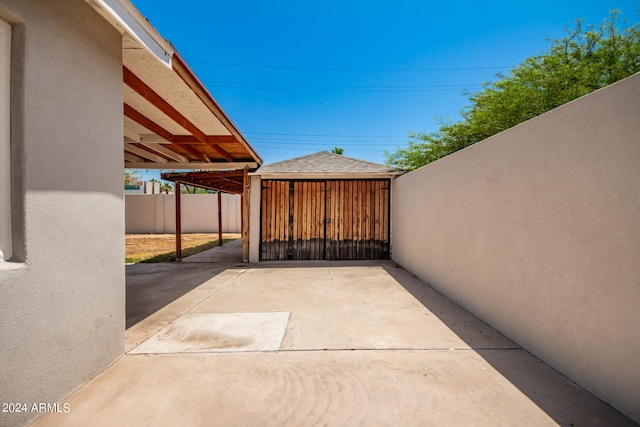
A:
(142, 246)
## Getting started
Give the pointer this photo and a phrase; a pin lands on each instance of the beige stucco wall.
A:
(62, 311)
(536, 230)
(255, 200)
(155, 213)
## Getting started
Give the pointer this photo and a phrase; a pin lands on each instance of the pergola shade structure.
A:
(231, 181)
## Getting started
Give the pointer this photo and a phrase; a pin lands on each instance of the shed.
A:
(321, 206)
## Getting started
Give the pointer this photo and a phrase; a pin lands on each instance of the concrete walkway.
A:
(221, 343)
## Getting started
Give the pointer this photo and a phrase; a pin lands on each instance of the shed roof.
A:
(325, 163)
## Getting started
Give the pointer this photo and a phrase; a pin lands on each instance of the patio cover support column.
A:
(219, 218)
(245, 215)
(178, 223)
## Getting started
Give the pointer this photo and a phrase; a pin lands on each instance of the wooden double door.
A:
(332, 219)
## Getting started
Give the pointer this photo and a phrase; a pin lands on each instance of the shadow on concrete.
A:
(560, 398)
(151, 287)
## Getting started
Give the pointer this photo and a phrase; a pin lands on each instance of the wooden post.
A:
(219, 218)
(245, 215)
(178, 223)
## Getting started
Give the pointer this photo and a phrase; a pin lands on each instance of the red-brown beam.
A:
(144, 121)
(245, 215)
(178, 223)
(150, 95)
(219, 218)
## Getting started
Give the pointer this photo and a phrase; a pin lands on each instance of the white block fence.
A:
(155, 213)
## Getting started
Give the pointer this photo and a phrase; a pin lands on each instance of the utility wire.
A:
(336, 88)
(325, 147)
(327, 135)
(279, 67)
(325, 141)
(346, 87)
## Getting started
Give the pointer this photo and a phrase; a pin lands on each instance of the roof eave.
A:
(213, 166)
(127, 19)
(325, 175)
(182, 69)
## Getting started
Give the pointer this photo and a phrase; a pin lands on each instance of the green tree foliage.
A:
(189, 189)
(587, 58)
(131, 177)
(166, 187)
(337, 150)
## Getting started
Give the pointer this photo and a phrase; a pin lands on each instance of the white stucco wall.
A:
(537, 231)
(155, 213)
(62, 312)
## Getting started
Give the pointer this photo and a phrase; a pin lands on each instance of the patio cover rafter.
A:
(135, 83)
(226, 181)
(144, 121)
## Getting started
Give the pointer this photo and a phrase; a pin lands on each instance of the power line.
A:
(322, 141)
(348, 87)
(319, 148)
(280, 67)
(328, 135)
(335, 88)
(317, 134)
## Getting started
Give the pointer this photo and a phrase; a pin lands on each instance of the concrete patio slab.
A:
(338, 388)
(366, 343)
(218, 332)
(230, 252)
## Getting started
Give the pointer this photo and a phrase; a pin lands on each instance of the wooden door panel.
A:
(358, 223)
(275, 220)
(307, 220)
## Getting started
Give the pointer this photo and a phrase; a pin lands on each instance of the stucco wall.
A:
(62, 312)
(255, 201)
(536, 230)
(155, 213)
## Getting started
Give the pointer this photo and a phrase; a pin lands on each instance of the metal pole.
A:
(178, 223)
(219, 218)
(245, 215)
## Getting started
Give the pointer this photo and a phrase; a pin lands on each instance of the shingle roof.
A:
(325, 162)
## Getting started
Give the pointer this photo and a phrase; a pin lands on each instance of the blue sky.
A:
(299, 77)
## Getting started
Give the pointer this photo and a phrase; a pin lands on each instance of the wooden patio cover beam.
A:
(150, 95)
(142, 120)
(227, 181)
(206, 174)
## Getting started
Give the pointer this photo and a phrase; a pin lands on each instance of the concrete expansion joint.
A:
(398, 349)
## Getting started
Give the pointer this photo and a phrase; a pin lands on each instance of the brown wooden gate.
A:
(314, 220)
